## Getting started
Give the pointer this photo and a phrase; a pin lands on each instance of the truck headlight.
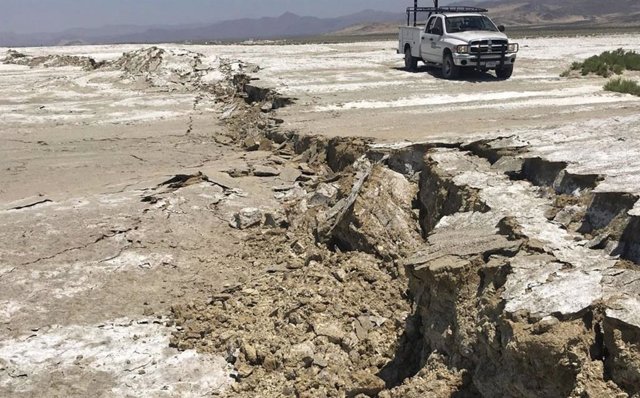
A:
(513, 48)
(462, 49)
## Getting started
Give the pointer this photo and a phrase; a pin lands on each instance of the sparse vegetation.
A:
(625, 86)
(606, 64)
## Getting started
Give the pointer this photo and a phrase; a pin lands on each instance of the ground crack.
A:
(41, 202)
(76, 248)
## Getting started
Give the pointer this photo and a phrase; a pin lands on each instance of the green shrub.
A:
(607, 64)
(625, 86)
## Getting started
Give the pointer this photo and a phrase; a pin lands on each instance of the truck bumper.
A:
(485, 61)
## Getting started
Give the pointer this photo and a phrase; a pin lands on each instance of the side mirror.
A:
(501, 28)
(437, 31)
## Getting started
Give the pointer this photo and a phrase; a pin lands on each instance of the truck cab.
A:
(456, 38)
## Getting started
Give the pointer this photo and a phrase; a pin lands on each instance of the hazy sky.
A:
(27, 16)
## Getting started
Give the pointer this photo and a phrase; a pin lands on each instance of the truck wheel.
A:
(410, 62)
(449, 69)
(505, 72)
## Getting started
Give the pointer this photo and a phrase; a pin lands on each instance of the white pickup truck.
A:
(456, 38)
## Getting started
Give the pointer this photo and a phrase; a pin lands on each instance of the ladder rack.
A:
(430, 10)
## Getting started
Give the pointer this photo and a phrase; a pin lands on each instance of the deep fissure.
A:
(460, 324)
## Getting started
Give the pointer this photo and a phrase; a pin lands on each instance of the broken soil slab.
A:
(265, 171)
(464, 275)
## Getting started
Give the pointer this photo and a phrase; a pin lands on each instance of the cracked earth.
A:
(312, 221)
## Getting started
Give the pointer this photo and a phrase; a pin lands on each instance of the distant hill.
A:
(543, 12)
(380, 28)
(579, 13)
(538, 13)
(286, 25)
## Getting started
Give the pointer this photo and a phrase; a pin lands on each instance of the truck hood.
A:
(477, 35)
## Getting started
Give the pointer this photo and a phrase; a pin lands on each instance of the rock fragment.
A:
(599, 242)
(277, 160)
(320, 361)
(302, 353)
(283, 188)
(365, 383)
(340, 275)
(265, 171)
(246, 218)
(228, 112)
(238, 172)
(306, 170)
(329, 329)
(324, 195)
(275, 219)
(251, 143)
(244, 370)
(568, 215)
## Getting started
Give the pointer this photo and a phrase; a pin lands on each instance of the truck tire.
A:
(505, 72)
(410, 62)
(450, 70)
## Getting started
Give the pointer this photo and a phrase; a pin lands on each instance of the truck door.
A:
(431, 46)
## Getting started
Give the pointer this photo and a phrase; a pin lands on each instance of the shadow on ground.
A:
(469, 75)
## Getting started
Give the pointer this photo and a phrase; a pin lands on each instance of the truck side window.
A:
(438, 27)
(431, 24)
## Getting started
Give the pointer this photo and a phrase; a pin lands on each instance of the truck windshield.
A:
(467, 23)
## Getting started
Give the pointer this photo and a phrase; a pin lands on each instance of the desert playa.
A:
(267, 220)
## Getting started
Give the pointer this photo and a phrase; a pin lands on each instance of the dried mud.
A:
(333, 317)
(435, 269)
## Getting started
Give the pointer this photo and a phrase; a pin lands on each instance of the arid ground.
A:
(312, 220)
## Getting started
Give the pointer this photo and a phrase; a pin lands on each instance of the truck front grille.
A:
(488, 46)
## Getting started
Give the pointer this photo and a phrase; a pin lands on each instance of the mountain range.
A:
(566, 12)
(508, 12)
(578, 14)
(286, 25)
